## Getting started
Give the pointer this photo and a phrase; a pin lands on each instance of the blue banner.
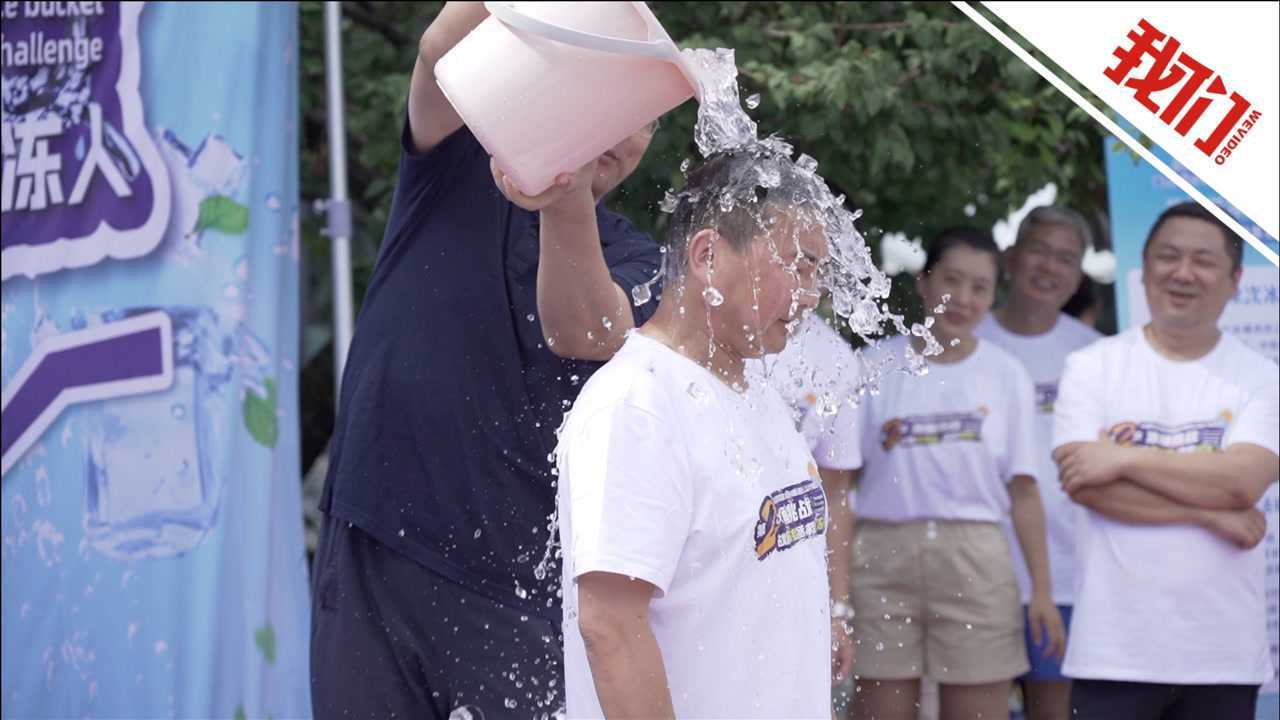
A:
(1138, 194)
(153, 557)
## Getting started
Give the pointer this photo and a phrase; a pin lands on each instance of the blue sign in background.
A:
(153, 556)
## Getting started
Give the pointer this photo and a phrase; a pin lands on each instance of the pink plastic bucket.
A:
(548, 86)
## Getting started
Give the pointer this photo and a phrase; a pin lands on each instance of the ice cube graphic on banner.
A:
(153, 555)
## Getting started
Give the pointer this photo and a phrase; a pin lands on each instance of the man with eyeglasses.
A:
(435, 590)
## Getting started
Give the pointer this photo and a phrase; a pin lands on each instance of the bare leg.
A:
(1047, 699)
(989, 701)
(885, 699)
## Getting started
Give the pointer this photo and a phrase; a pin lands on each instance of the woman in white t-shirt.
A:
(947, 456)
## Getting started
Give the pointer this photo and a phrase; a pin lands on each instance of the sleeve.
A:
(1079, 413)
(837, 443)
(630, 496)
(633, 259)
(458, 161)
(1024, 449)
(1259, 420)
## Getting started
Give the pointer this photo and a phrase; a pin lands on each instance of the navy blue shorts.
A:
(1044, 668)
(392, 639)
(1107, 700)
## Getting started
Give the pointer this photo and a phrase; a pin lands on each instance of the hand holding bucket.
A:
(546, 87)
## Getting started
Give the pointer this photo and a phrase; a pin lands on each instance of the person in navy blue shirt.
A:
(486, 312)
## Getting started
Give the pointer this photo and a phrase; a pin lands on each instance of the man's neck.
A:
(1182, 344)
(689, 334)
(1026, 318)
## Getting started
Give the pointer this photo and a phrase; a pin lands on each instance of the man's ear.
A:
(702, 248)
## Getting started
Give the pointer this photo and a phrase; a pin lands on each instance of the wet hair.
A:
(969, 237)
(732, 180)
(1234, 245)
(1059, 216)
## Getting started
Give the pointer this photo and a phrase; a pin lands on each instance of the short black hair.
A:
(965, 236)
(727, 193)
(1195, 211)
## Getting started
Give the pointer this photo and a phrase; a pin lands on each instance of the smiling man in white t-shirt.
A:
(691, 512)
(1168, 434)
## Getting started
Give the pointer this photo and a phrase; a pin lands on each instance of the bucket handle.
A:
(661, 48)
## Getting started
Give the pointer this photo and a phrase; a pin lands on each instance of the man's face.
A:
(618, 162)
(1188, 275)
(1044, 267)
(967, 279)
(770, 284)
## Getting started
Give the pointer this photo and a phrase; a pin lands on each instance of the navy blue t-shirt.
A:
(450, 399)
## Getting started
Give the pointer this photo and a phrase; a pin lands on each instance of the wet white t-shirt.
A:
(1043, 356)
(668, 475)
(818, 374)
(1167, 603)
(943, 446)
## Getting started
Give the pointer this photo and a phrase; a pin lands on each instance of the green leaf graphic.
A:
(265, 639)
(260, 415)
(221, 213)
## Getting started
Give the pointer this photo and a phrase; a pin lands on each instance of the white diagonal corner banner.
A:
(1201, 81)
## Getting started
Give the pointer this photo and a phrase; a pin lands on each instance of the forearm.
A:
(584, 313)
(1129, 502)
(454, 22)
(629, 675)
(840, 516)
(1029, 526)
(1212, 481)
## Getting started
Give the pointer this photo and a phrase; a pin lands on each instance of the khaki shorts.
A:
(935, 599)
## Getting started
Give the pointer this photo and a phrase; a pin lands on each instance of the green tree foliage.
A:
(913, 111)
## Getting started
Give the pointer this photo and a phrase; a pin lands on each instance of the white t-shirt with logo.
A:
(818, 374)
(943, 446)
(668, 475)
(1167, 603)
(1043, 356)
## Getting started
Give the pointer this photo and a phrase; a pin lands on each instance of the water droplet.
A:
(401, 533)
(968, 626)
(753, 101)
(476, 534)
(591, 335)
(879, 647)
(573, 380)
(696, 392)
(179, 410)
(608, 324)
(640, 294)
(713, 297)
(511, 704)
(670, 201)
(530, 317)
(685, 164)
(955, 342)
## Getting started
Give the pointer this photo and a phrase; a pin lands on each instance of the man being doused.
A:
(692, 514)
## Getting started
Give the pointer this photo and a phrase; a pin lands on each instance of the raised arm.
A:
(431, 117)
(626, 663)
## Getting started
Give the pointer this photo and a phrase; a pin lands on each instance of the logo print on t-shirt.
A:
(790, 516)
(1200, 436)
(1046, 396)
(933, 429)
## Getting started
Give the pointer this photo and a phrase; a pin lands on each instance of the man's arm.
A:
(626, 663)
(1128, 502)
(585, 314)
(836, 485)
(1231, 480)
(431, 117)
